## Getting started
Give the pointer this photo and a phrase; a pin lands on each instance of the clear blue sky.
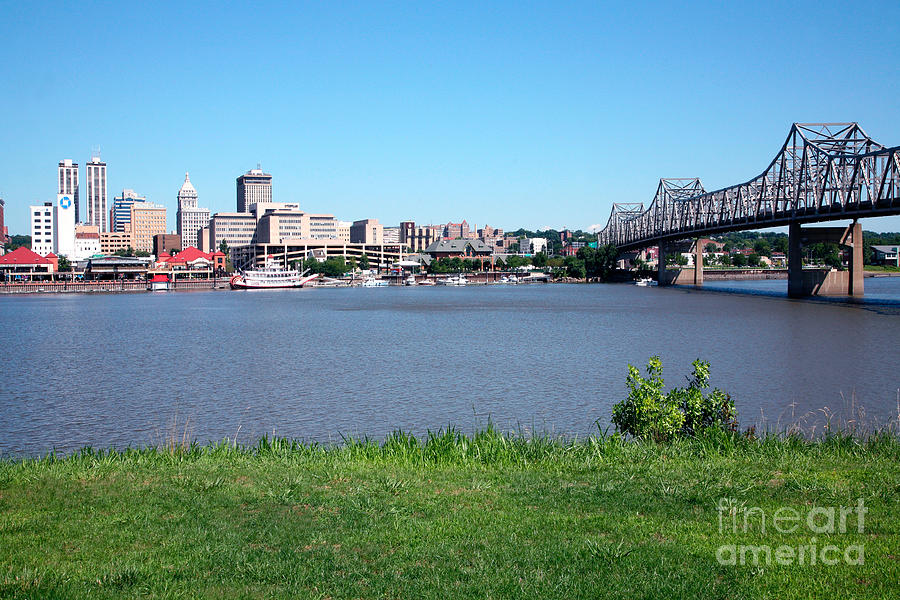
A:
(511, 114)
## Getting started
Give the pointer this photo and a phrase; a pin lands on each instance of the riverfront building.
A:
(252, 187)
(166, 243)
(96, 193)
(190, 218)
(24, 263)
(68, 183)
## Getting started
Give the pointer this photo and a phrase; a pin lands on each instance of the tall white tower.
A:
(65, 226)
(96, 193)
(68, 183)
(190, 217)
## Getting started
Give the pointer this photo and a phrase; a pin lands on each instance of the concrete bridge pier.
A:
(662, 277)
(698, 262)
(825, 282)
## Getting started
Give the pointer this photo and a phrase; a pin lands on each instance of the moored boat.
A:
(271, 276)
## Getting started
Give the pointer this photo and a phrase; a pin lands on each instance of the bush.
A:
(648, 413)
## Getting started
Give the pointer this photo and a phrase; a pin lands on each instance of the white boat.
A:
(372, 282)
(454, 280)
(271, 276)
(411, 280)
(646, 282)
(426, 282)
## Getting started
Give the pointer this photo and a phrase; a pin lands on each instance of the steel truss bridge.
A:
(823, 172)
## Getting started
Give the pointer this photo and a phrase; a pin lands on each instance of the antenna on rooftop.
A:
(95, 153)
(258, 167)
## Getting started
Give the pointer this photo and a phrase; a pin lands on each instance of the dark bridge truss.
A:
(824, 171)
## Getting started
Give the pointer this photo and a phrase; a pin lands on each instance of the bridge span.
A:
(823, 172)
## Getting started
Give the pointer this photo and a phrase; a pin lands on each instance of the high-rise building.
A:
(190, 218)
(96, 193)
(252, 187)
(2, 229)
(64, 226)
(68, 183)
(120, 215)
(147, 220)
(43, 234)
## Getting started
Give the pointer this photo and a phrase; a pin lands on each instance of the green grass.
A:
(482, 516)
(882, 269)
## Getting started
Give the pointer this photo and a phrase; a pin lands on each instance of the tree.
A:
(762, 247)
(142, 253)
(64, 264)
(575, 268)
(753, 260)
(599, 262)
(499, 264)
(364, 262)
(739, 260)
(539, 260)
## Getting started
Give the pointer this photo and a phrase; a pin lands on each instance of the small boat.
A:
(454, 280)
(372, 282)
(411, 280)
(646, 282)
(159, 283)
(271, 276)
(428, 282)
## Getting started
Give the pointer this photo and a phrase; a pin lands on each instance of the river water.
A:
(122, 369)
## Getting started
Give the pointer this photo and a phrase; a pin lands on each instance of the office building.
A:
(366, 231)
(113, 241)
(280, 225)
(43, 235)
(64, 226)
(2, 229)
(391, 235)
(68, 184)
(120, 214)
(96, 193)
(252, 187)
(147, 220)
(190, 217)
(235, 229)
(417, 238)
(166, 242)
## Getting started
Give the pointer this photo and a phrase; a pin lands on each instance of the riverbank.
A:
(454, 516)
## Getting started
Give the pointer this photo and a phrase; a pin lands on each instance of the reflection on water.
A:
(115, 369)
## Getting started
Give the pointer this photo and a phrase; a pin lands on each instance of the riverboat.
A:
(271, 276)
(645, 282)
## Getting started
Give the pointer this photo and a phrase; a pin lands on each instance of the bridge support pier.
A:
(825, 282)
(698, 262)
(661, 276)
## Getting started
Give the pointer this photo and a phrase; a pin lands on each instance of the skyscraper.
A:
(255, 186)
(68, 183)
(120, 215)
(96, 193)
(190, 218)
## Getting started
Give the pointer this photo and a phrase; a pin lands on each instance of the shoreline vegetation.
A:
(451, 515)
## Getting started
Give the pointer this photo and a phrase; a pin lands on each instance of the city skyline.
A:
(514, 117)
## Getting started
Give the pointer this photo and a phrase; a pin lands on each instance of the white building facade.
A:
(191, 219)
(43, 233)
(64, 226)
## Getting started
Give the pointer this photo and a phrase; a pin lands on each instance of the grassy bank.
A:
(484, 516)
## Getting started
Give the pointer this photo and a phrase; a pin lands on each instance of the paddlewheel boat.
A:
(271, 276)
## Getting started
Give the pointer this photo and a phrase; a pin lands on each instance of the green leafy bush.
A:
(649, 413)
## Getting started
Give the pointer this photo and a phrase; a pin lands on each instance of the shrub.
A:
(649, 413)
